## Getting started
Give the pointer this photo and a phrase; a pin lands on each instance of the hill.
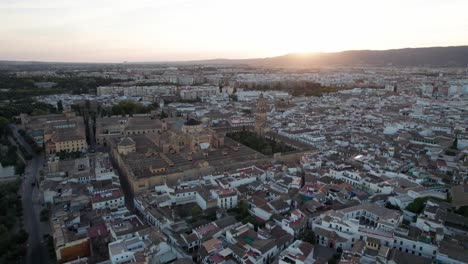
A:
(456, 56)
(433, 57)
(437, 56)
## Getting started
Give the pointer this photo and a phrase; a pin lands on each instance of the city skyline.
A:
(116, 31)
(233, 132)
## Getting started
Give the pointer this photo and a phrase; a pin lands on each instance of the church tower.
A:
(261, 126)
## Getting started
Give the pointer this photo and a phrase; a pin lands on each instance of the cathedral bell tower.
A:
(261, 126)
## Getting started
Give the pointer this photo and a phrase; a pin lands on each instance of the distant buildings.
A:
(136, 90)
(197, 92)
(57, 132)
(118, 126)
(347, 192)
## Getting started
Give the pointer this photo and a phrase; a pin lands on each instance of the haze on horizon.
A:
(165, 30)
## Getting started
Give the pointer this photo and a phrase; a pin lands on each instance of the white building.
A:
(103, 168)
(353, 178)
(342, 228)
(124, 250)
(298, 252)
(226, 198)
(112, 199)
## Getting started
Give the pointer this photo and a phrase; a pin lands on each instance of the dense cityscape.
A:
(233, 132)
(219, 163)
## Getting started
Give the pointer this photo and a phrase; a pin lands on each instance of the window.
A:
(420, 248)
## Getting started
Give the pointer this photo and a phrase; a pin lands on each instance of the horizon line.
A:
(218, 59)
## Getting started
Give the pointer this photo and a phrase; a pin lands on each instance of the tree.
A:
(3, 125)
(258, 143)
(21, 236)
(455, 144)
(242, 210)
(128, 107)
(44, 215)
(68, 155)
(163, 115)
(391, 206)
(181, 211)
(233, 97)
(60, 106)
(37, 112)
(308, 236)
(11, 239)
(462, 211)
(336, 257)
(417, 205)
(195, 211)
(19, 168)
(41, 174)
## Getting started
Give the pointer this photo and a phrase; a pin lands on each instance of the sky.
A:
(166, 30)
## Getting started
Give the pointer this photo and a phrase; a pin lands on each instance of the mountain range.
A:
(456, 56)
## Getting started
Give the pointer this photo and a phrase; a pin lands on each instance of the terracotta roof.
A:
(97, 230)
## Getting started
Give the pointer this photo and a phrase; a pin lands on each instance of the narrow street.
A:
(37, 246)
(32, 206)
(16, 134)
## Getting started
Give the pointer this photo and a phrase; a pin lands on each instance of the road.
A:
(21, 140)
(37, 247)
(32, 205)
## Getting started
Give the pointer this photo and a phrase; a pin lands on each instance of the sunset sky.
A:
(156, 30)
